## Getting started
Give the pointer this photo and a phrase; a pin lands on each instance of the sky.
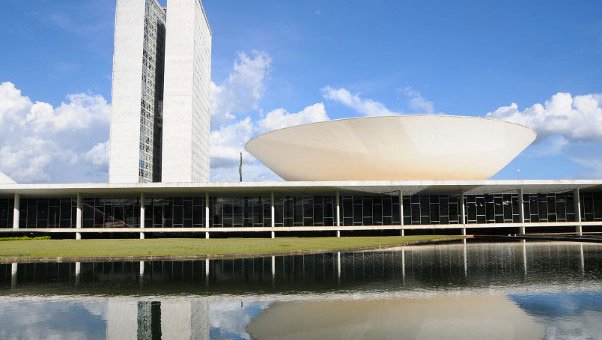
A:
(282, 63)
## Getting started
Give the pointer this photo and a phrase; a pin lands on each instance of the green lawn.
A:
(107, 248)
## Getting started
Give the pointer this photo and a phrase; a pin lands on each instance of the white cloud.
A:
(243, 88)
(99, 154)
(235, 103)
(417, 102)
(79, 112)
(39, 142)
(576, 118)
(367, 107)
(280, 118)
(228, 142)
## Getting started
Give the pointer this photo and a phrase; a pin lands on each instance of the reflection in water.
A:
(565, 315)
(543, 289)
(415, 318)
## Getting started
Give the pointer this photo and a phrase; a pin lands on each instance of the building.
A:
(186, 108)
(417, 147)
(272, 208)
(415, 174)
(331, 202)
(383, 174)
(161, 83)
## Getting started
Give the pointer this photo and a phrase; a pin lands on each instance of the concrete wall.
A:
(186, 105)
(127, 91)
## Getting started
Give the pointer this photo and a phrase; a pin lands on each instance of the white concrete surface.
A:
(419, 147)
(187, 93)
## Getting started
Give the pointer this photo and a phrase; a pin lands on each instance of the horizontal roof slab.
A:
(303, 187)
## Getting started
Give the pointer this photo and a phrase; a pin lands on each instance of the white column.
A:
(338, 214)
(521, 212)
(577, 198)
(142, 214)
(16, 206)
(463, 213)
(207, 214)
(78, 216)
(403, 232)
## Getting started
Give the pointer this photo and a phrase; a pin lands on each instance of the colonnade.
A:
(462, 206)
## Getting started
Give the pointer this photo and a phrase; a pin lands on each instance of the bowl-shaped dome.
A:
(422, 147)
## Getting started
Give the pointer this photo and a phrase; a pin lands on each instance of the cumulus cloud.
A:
(280, 118)
(417, 103)
(575, 118)
(40, 143)
(365, 106)
(99, 154)
(237, 117)
(228, 142)
(242, 89)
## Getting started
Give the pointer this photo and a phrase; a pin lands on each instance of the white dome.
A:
(420, 147)
(5, 179)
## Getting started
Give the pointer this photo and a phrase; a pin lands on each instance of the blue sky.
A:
(278, 63)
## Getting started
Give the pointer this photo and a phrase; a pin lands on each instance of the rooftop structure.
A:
(421, 147)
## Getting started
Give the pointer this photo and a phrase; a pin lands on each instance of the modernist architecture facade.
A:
(161, 83)
(397, 174)
(285, 207)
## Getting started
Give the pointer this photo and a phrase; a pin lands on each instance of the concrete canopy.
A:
(421, 147)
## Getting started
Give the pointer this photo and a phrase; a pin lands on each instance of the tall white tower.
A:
(187, 96)
(138, 67)
(161, 93)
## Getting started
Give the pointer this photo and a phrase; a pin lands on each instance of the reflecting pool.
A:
(463, 290)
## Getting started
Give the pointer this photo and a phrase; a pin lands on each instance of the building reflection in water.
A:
(440, 266)
(202, 299)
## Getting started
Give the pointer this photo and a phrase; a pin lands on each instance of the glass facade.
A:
(47, 212)
(151, 119)
(294, 211)
(369, 210)
(240, 212)
(174, 212)
(591, 206)
(298, 210)
(550, 207)
(6, 213)
(110, 213)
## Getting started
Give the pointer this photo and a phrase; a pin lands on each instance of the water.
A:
(519, 290)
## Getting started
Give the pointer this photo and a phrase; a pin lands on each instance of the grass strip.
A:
(24, 238)
(162, 247)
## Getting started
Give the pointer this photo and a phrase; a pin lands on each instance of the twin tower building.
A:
(160, 122)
